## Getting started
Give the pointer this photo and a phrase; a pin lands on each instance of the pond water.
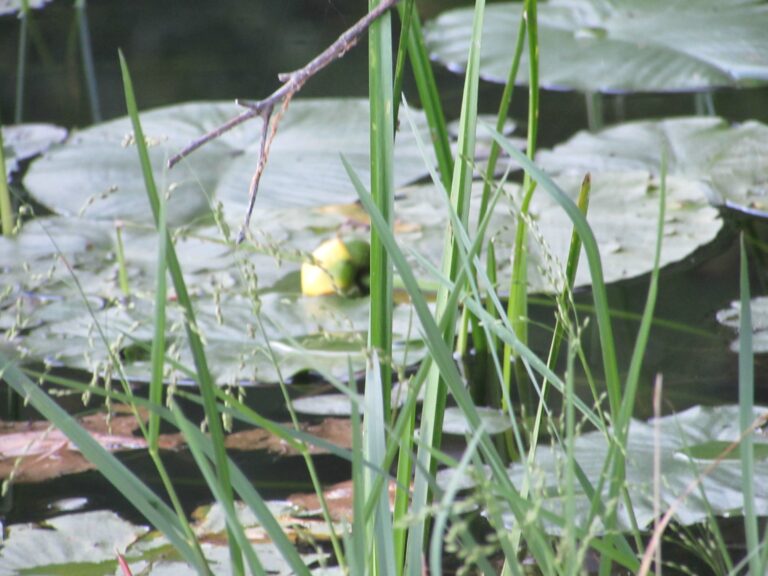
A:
(196, 50)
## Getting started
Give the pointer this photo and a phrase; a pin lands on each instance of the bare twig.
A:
(292, 83)
(267, 136)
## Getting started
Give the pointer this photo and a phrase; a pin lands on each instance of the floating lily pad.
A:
(15, 6)
(86, 543)
(731, 317)
(89, 543)
(731, 162)
(321, 334)
(455, 422)
(23, 141)
(341, 405)
(682, 438)
(42, 256)
(624, 46)
(96, 173)
(303, 333)
(623, 213)
(46, 316)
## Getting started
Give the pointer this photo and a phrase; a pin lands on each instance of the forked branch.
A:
(292, 83)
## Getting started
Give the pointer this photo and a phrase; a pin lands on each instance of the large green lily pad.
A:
(303, 333)
(23, 141)
(623, 213)
(14, 6)
(89, 543)
(621, 46)
(690, 441)
(86, 543)
(731, 317)
(321, 334)
(731, 162)
(45, 317)
(96, 173)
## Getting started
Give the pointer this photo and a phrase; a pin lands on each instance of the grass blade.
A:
(135, 491)
(89, 68)
(746, 416)
(429, 95)
(599, 293)
(383, 191)
(440, 353)
(203, 375)
(234, 527)
(374, 450)
(435, 396)
(517, 306)
(21, 60)
(6, 207)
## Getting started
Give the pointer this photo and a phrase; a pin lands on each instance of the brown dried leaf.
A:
(338, 498)
(338, 431)
(36, 451)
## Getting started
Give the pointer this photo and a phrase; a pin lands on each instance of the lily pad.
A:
(23, 141)
(455, 422)
(320, 334)
(624, 46)
(96, 173)
(85, 542)
(682, 436)
(89, 543)
(46, 316)
(14, 6)
(43, 255)
(731, 162)
(341, 405)
(731, 317)
(623, 213)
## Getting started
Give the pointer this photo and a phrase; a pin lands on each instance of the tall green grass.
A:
(6, 206)
(386, 450)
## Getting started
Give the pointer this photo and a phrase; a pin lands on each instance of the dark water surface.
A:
(201, 50)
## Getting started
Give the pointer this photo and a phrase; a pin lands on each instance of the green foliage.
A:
(579, 482)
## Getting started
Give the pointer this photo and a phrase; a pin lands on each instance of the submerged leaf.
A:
(335, 430)
(623, 46)
(338, 497)
(36, 451)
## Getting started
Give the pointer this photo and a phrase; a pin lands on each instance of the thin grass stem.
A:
(21, 61)
(203, 374)
(6, 206)
(747, 414)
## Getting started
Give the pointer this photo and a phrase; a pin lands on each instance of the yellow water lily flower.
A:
(335, 267)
